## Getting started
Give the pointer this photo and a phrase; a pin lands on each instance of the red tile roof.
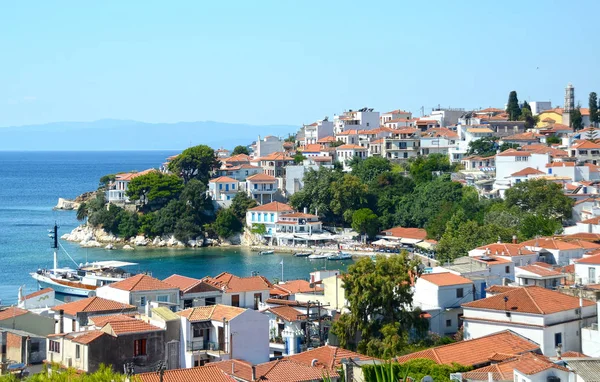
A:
(551, 243)
(38, 293)
(527, 136)
(540, 270)
(282, 370)
(595, 259)
(141, 282)
(273, 207)
(327, 139)
(181, 282)
(528, 171)
(312, 148)
(261, 178)
(514, 153)
(234, 284)
(586, 145)
(505, 249)
(132, 175)
(328, 356)
(130, 326)
(594, 220)
(92, 305)
(86, 337)
(208, 373)
(100, 321)
(12, 312)
(287, 313)
(350, 147)
(445, 279)
(276, 156)
(295, 286)
(534, 300)
(477, 351)
(212, 312)
(504, 371)
(223, 179)
(407, 233)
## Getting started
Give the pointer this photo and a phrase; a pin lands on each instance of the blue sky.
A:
(286, 62)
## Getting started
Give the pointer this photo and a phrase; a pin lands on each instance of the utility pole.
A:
(321, 342)
(306, 331)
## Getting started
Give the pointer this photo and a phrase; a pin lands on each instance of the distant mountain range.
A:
(112, 134)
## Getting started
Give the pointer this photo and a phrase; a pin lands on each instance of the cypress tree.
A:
(594, 116)
(513, 109)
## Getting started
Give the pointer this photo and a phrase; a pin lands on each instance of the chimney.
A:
(305, 210)
(514, 239)
(148, 309)
(232, 367)
(61, 322)
(253, 372)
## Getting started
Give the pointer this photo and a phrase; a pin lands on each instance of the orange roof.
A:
(328, 356)
(573, 354)
(528, 136)
(38, 293)
(499, 289)
(445, 279)
(100, 321)
(594, 220)
(348, 132)
(130, 326)
(528, 171)
(211, 312)
(350, 147)
(295, 286)
(327, 139)
(595, 259)
(12, 312)
(92, 304)
(550, 243)
(141, 282)
(397, 111)
(479, 130)
(273, 207)
(533, 299)
(276, 156)
(477, 351)
(223, 179)
(85, 337)
(440, 132)
(514, 153)
(528, 363)
(505, 249)
(235, 284)
(181, 282)
(540, 270)
(312, 148)
(237, 158)
(586, 145)
(408, 233)
(287, 313)
(282, 370)
(261, 178)
(132, 175)
(560, 164)
(209, 373)
(407, 131)
(490, 110)
(557, 110)
(583, 236)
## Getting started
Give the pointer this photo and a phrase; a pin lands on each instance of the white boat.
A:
(320, 256)
(266, 252)
(302, 254)
(82, 281)
(340, 256)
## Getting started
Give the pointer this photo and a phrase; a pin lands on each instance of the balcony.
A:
(206, 346)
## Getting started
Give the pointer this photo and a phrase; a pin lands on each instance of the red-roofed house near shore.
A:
(73, 316)
(587, 269)
(268, 215)
(441, 295)
(117, 190)
(140, 290)
(22, 319)
(543, 316)
(404, 235)
(244, 292)
(560, 252)
(517, 162)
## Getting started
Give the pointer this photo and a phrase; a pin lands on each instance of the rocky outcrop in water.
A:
(68, 204)
(90, 237)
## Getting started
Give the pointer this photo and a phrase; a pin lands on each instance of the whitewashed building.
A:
(140, 290)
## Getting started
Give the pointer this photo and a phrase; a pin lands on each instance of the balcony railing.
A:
(205, 345)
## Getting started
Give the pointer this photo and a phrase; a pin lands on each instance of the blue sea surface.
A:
(32, 182)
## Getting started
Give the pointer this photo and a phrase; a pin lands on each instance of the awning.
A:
(202, 324)
(425, 245)
(406, 240)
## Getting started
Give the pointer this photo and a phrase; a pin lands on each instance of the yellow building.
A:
(549, 117)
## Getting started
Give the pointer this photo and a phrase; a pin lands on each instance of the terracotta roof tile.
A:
(223, 179)
(505, 249)
(477, 351)
(181, 282)
(595, 259)
(132, 175)
(130, 326)
(86, 337)
(552, 243)
(539, 270)
(327, 139)
(294, 286)
(534, 299)
(328, 356)
(408, 233)
(233, 283)
(11, 312)
(495, 289)
(276, 156)
(528, 363)
(282, 370)
(261, 178)
(528, 171)
(445, 279)
(273, 207)
(141, 282)
(350, 147)
(91, 305)
(527, 136)
(209, 373)
(212, 312)
(100, 321)
(586, 145)
(38, 293)
(514, 153)
(287, 313)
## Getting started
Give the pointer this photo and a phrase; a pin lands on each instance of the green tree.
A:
(240, 150)
(259, 229)
(105, 181)
(513, 109)
(127, 224)
(422, 168)
(195, 197)
(187, 227)
(226, 224)
(107, 218)
(533, 225)
(370, 168)
(593, 105)
(240, 204)
(195, 162)
(337, 143)
(414, 369)
(166, 218)
(576, 119)
(299, 158)
(552, 140)
(291, 138)
(527, 116)
(506, 145)
(364, 221)
(82, 211)
(379, 297)
(154, 188)
(540, 197)
(483, 147)
(348, 195)
(317, 193)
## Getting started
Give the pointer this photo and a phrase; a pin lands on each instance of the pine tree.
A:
(593, 105)
(513, 109)
(576, 119)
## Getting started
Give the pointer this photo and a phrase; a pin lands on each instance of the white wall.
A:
(582, 272)
(250, 337)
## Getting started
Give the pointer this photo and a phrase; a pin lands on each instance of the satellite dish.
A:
(427, 378)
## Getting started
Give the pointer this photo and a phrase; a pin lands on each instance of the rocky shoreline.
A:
(68, 204)
(90, 237)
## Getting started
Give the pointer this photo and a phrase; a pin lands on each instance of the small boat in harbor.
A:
(261, 253)
(302, 254)
(340, 256)
(316, 256)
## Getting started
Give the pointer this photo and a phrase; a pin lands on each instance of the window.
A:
(35, 347)
(448, 323)
(188, 304)
(233, 186)
(220, 186)
(459, 293)
(253, 217)
(198, 330)
(77, 351)
(235, 300)
(272, 218)
(55, 346)
(525, 281)
(139, 347)
(73, 325)
(257, 300)
(163, 298)
(557, 339)
(143, 301)
(592, 274)
(210, 301)
(507, 269)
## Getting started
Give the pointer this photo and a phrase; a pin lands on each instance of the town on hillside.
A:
(475, 236)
